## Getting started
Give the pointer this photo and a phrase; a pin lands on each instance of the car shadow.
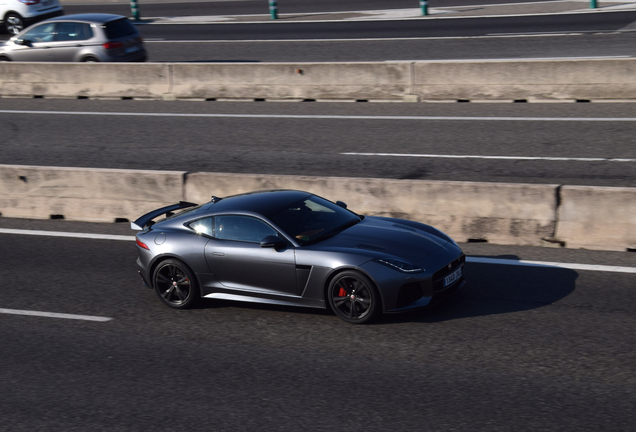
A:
(497, 289)
(491, 289)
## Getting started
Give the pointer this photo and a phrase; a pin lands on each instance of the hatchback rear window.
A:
(119, 28)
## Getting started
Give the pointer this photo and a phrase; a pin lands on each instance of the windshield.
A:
(313, 219)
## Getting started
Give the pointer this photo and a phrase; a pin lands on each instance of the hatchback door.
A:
(123, 40)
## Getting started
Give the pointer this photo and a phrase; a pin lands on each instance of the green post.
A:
(424, 6)
(273, 9)
(135, 10)
(593, 4)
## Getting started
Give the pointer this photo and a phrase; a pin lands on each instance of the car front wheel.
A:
(353, 297)
(13, 23)
(175, 284)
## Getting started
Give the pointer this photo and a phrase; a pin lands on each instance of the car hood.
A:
(383, 237)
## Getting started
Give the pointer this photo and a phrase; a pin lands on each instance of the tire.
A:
(13, 23)
(4, 59)
(354, 298)
(89, 60)
(175, 284)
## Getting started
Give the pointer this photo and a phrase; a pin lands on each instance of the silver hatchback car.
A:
(77, 38)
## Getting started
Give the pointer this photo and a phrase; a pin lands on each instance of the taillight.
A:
(29, 2)
(142, 244)
(113, 45)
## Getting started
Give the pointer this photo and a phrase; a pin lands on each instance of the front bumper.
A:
(401, 292)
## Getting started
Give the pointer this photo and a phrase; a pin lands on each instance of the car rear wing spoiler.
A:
(145, 220)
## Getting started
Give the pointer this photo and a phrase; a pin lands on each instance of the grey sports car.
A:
(290, 247)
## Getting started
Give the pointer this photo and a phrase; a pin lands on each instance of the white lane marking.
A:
(573, 266)
(326, 117)
(570, 266)
(531, 158)
(66, 234)
(54, 315)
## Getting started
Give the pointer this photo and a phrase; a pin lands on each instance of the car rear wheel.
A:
(90, 60)
(353, 297)
(13, 23)
(3, 58)
(175, 284)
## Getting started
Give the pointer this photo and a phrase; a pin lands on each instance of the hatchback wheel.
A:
(175, 284)
(353, 297)
(13, 23)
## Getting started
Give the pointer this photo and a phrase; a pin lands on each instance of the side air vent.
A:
(370, 247)
(406, 227)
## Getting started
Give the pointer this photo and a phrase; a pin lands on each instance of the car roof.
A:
(94, 18)
(262, 202)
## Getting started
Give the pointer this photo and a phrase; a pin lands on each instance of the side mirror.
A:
(24, 42)
(273, 241)
(341, 204)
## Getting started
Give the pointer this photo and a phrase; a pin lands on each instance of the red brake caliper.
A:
(342, 293)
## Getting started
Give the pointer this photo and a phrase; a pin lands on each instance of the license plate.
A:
(448, 280)
(132, 49)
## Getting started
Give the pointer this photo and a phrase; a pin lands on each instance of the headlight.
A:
(399, 265)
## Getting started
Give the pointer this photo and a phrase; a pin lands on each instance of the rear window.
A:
(119, 28)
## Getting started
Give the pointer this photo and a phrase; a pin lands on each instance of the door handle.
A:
(218, 254)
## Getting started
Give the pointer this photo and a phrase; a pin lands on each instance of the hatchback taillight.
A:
(142, 245)
(29, 2)
(113, 45)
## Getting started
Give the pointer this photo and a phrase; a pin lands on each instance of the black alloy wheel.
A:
(13, 23)
(353, 297)
(175, 284)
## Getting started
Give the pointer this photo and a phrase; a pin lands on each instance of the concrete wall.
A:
(597, 217)
(502, 213)
(428, 80)
(526, 79)
(84, 79)
(85, 194)
(292, 81)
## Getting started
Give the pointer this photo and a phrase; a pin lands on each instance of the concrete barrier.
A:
(520, 214)
(526, 79)
(292, 81)
(409, 81)
(502, 213)
(145, 80)
(85, 194)
(597, 217)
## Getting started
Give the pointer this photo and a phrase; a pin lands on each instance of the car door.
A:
(69, 39)
(238, 261)
(34, 44)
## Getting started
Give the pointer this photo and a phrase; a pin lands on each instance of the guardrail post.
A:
(593, 4)
(135, 10)
(424, 6)
(273, 9)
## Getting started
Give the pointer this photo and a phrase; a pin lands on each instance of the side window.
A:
(41, 33)
(70, 31)
(203, 226)
(241, 228)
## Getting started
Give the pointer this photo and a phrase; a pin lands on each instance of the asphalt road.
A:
(522, 348)
(265, 138)
(537, 47)
(252, 7)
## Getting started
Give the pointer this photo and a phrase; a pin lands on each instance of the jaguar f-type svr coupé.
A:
(290, 247)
